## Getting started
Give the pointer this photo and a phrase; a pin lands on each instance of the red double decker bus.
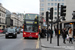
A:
(31, 25)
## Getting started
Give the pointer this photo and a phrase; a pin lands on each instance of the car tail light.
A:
(36, 33)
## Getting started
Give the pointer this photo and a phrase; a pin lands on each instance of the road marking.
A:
(22, 38)
(37, 45)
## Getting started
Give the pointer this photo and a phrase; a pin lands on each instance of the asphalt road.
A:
(19, 43)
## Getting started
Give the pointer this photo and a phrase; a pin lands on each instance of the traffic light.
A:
(63, 10)
(51, 13)
(47, 16)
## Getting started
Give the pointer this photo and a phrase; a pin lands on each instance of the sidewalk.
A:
(46, 44)
(2, 34)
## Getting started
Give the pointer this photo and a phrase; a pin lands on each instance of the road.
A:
(19, 43)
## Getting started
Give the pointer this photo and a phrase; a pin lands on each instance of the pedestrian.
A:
(70, 33)
(48, 34)
(43, 33)
(51, 34)
(64, 35)
(67, 34)
(46, 31)
(55, 31)
(74, 34)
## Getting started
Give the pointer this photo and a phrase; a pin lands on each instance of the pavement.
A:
(47, 46)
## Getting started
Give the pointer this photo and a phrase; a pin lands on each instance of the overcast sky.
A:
(29, 6)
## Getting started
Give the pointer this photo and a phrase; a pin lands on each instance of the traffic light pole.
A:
(58, 25)
(47, 25)
(51, 17)
(47, 32)
(51, 33)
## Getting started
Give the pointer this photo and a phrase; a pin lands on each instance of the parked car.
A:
(1, 31)
(11, 32)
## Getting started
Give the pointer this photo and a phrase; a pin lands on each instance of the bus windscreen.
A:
(31, 28)
(31, 16)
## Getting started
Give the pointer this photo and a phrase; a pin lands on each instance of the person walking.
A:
(51, 34)
(55, 31)
(70, 33)
(74, 34)
(43, 32)
(64, 35)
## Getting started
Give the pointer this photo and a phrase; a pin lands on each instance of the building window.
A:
(48, 8)
(59, 8)
(42, 9)
(48, 4)
(42, 13)
(51, 0)
(55, 0)
(0, 14)
(4, 15)
(48, 0)
(42, 5)
(42, 0)
(62, 0)
(55, 13)
(58, 0)
(59, 4)
(59, 13)
(55, 8)
(51, 4)
(62, 3)
(55, 4)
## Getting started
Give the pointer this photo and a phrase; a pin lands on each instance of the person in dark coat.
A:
(74, 34)
(64, 35)
(55, 32)
(43, 32)
(51, 34)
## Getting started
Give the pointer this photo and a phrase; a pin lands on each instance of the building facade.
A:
(2, 16)
(69, 22)
(45, 5)
(17, 19)
(21, 16)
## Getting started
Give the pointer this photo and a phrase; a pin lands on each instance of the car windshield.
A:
(11, 30)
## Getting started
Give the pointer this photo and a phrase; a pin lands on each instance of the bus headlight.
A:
(36, 33)
(25, 33)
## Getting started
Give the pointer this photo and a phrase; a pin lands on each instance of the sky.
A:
(21, 6)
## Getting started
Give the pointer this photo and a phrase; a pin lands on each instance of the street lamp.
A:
(73, 15)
